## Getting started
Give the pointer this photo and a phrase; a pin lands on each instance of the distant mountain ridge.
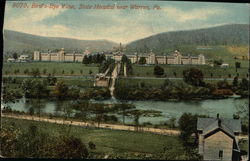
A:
(232, 34)
(18, 41)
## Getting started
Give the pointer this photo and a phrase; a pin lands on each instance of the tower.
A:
(61, 55)
(37, 56)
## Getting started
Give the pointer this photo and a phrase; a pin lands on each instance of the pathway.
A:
(89, 124)
(102, 125)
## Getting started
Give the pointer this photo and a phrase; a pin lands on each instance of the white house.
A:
(24, 58)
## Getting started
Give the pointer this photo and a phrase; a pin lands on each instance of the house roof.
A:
(230, 125)
(216, 126)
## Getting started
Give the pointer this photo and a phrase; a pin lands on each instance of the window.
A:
(221, 154)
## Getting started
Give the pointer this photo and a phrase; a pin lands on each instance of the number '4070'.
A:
(20, 5)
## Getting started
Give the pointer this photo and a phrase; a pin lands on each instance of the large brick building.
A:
(151, 58)
(60, 56)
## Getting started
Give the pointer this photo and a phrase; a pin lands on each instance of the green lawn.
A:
(52, 67)
(80, 82)
(148, 71)
(108, 141)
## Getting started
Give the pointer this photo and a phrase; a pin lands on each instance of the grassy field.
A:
(218, 72)
(156, 83)
(52, 67)
(80, 82)
(108, 141)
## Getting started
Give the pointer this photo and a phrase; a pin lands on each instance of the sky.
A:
(120, 25)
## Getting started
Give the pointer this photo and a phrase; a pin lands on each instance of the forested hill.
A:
(18, 41)
(234, 34)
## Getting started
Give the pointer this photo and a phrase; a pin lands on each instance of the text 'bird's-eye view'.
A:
(157, 80)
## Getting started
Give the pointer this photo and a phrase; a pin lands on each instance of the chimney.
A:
(218, 116)
(219, 122)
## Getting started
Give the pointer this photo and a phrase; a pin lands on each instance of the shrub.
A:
(91, 145)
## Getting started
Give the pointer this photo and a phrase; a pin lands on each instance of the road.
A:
(91, 77)
(88, 124)
(45, 76)
(115, 74)
(102, 125)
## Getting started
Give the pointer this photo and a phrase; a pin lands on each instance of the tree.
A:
(142, 60)
(70, 148)
(244, 85)
(86, 60)
(237, 65)
(44, 71)
(67, 112)
(91, 145)
(26, 71)
(31, 112)
(99, 110)
(124, 59)
(123, 109)
(136, 114)
(175, 74)
(243, 114)
(193, 76)
(126, 62)
(167, 83)
(223, 85)
(34, 88)
(81, 71)
(61, 90)
(211, 75)
(15, 56)
(9, 96)
(172, 122)
(82, 109)
(235, 82)
(90, 72)
(51, 80)
(35, 72)
(35, 105)
(9, 136)
(188, 126)
(218, 62)
(109, 63)
(158, 71)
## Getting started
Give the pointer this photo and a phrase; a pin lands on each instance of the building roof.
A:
(230, 125)
(216, 126)
(24, 55)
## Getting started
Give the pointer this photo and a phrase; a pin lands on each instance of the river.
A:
(225, 107)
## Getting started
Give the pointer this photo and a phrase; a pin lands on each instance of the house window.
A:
(221, 154)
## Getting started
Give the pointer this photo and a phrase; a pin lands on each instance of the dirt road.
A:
(88, 124)
(106, 126)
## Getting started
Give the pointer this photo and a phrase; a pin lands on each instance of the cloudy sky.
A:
(120, 25)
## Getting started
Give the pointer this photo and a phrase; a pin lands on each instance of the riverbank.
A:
(94, 125)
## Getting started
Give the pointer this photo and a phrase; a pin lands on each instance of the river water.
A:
(225, 107)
